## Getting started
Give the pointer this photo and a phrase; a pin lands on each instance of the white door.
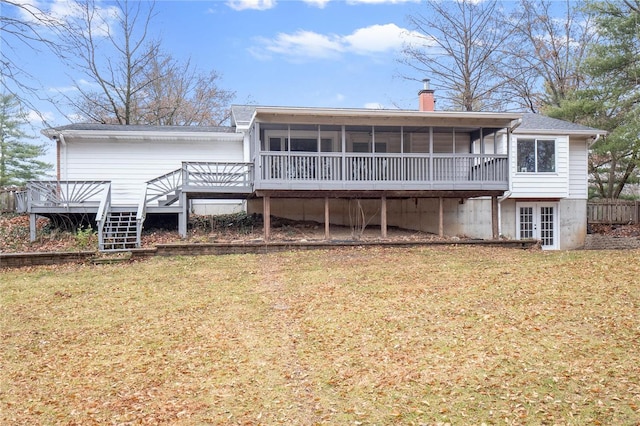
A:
(538, 221)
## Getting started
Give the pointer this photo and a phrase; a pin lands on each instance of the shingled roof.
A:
(537, 123)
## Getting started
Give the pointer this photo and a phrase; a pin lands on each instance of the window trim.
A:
(535, 140)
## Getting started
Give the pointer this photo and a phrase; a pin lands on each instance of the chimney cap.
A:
(426, 81)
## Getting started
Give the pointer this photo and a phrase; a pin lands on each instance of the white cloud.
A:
(376, 38)
(56, 12)
(36, 118)
(373, 105)
(251, 4)
(303, 45)
(320, 4)
(86, 84)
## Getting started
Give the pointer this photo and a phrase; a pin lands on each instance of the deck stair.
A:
(120, 232)
(169, 198)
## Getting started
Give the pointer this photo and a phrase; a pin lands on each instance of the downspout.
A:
(507, 194)
(66, 158)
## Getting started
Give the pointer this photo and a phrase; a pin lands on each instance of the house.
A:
(477, 174)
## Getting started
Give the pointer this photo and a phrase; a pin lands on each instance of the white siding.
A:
(578, 169)
(128, 164)
(541, 185)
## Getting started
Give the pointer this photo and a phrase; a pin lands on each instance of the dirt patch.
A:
(631, 230)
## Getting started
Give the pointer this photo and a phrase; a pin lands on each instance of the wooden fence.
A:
(613, 211)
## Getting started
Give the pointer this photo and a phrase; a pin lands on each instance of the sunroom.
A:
(303, 149)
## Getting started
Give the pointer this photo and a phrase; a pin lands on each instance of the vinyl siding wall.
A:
(578, 169)
(129, 164)
(541, 185)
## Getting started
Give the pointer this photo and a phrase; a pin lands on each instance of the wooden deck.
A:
(377, 172)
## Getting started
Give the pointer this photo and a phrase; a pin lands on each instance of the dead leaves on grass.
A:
(356, 336)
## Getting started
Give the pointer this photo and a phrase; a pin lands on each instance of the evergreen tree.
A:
(612, 101)
(19, 161)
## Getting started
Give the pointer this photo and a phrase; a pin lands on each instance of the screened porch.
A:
(325, 157)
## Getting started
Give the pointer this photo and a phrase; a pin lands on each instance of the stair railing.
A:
(141, 215)
(163, 185)
(103, 211)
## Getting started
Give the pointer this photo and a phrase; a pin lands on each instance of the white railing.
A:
(356, 167)
(217, 175)
(64, 193)
(163, 186)
(103, 211)
(21, 201)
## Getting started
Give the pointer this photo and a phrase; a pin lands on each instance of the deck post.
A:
(383, 217)
(266, 216)
(494, 217)
(327, 235)
(183, 216)
(32, 227)
(441, 217)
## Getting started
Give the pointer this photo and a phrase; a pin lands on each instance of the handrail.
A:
(22, 201)
(63, 193)
(142, 205)
(440, 168)
(163, 185)
(103, 209)
(218, 174)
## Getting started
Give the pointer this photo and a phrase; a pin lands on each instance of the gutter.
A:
(515, 124)
(66, 151)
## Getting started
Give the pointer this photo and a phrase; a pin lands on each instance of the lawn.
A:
(459, 335)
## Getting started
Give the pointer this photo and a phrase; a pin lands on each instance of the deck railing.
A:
(217, 175)
(355, 167)
(67, 194)
(103, 210)
(163, 186)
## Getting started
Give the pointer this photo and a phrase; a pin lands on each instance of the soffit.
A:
(385, 117)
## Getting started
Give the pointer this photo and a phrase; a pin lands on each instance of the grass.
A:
(456, 335)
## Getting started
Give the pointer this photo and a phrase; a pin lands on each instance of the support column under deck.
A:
(495, 229)
(183, 216)
(441, 217)
(266, 216)
(327, 235)
(32, 227)
(383, 217)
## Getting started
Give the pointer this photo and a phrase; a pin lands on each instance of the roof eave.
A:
(586, 133)
(52, 133)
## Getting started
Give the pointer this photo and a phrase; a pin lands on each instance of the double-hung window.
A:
(536, 155)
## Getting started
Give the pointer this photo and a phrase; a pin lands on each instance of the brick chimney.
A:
(425, 97)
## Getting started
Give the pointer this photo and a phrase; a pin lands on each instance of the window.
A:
(536, 155)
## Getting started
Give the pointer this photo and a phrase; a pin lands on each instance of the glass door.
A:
(538, 221)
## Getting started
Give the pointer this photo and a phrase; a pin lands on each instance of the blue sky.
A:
(329, 53)
(332, 53)
(303, 53)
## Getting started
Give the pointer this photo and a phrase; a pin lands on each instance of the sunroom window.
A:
(536, 155)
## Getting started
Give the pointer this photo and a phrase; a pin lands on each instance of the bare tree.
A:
(23, 26)
(112, 51)
(179, 94)
(127, 79)
(463, 40)
(543, 56)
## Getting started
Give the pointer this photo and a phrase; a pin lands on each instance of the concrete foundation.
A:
(469, 218)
